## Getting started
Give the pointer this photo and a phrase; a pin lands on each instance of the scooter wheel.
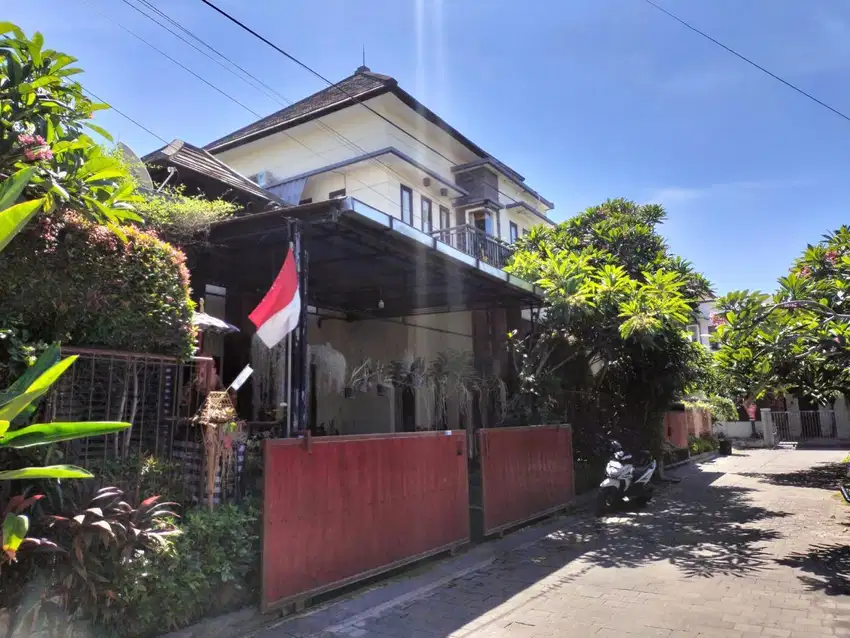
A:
(645, 498)
(605, 501)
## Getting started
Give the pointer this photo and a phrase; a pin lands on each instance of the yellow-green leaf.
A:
(14, 218)
(44, 433)
(38, 387)
(46, 472)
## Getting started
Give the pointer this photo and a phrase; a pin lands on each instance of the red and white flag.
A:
(279, 311)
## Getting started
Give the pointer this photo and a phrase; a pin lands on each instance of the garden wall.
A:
(676, 428)
(737, 429)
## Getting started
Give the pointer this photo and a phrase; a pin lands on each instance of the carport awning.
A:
(359, 257)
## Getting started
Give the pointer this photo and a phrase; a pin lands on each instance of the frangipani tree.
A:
(795, 340)
(617, 303)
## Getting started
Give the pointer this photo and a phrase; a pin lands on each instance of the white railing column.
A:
(767, 423)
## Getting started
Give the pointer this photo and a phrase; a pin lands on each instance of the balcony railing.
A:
(476, 243)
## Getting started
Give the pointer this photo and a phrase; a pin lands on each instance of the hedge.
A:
(70, 280)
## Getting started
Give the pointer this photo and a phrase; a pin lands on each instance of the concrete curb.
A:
(699, 458)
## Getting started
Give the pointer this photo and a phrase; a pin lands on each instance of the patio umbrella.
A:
(208, 323)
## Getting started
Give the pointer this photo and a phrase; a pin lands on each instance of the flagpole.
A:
(303, 359)
(288, 393)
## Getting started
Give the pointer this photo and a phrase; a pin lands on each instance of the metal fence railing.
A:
(476, 243)
(805, 425)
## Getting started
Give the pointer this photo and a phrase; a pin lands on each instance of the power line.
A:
(124, 115)
(227, 68)
(747, 60)
(352, 145)
(354, 99)
(182, 66)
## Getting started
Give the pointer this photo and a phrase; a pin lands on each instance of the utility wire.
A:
(354, 99)
(370, 187)
(746, 59)
(182, 66)
(218, 61)
(124, 115)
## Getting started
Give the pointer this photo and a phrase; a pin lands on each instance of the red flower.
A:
(718, 319)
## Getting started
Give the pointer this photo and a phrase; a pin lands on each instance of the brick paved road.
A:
(749, 545)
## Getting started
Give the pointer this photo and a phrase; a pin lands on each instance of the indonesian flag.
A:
(278, 312)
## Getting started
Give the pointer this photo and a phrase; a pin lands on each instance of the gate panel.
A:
(343, 508)
(526, 472)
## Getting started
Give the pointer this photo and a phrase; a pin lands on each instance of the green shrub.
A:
(182, 219)
(721, 408)
(702, 444)
(211, 567)
(67, 279)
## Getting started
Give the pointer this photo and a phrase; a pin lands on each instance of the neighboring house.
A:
(704, 327)
(395, 156)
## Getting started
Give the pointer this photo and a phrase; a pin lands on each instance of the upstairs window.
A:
(407, 205)
(427, 216)
(337, 194)
(445, 218)
(514, 232)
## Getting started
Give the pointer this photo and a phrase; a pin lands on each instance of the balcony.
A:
(476, 243)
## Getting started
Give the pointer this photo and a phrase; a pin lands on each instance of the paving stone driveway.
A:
(749, 545)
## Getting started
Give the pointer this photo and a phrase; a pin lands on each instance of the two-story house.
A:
(407, 225)
(368, 139)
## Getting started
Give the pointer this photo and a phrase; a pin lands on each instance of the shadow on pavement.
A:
(704, 530)
(829, 566)
(699, 528)
(826, 476)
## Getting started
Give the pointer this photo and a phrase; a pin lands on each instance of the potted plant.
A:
(383, 379)
(358, 379)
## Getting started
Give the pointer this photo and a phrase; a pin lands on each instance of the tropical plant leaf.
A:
(14, 186)
(42, 384)
(44, 433)
(47, 472)
(15, 527)
(44, 362)
(15, 217)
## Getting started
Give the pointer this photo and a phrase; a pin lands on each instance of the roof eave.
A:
(296, 121)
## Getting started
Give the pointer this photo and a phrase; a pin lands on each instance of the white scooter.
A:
(627, 479)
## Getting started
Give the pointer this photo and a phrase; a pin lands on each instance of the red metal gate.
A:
(343, 508)
(526, 472)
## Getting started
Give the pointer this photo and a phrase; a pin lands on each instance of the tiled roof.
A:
(184, 155)
(361, 85)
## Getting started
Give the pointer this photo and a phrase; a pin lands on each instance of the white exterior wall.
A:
(385, 341)
(310, 146)
(376, 182)
(737, 429)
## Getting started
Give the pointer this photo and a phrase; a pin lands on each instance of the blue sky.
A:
(588, 99)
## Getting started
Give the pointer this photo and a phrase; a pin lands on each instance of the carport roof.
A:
(359, 256)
